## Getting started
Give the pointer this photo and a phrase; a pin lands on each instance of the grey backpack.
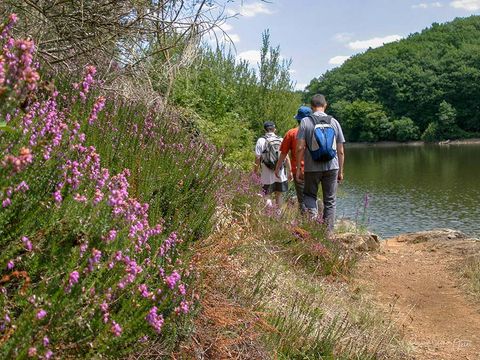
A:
(271, 154)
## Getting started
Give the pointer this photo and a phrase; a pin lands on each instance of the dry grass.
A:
(472, 274)
(259, 302)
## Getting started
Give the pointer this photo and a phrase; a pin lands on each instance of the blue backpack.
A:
(323, 144)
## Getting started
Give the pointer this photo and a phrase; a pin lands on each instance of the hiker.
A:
(267, 153)
(320, 143)
(289, 145)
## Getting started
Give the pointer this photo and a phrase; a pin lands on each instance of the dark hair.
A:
(318, 100)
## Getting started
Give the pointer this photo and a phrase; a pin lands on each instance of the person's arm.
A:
(258, 155)
(280, 161)
(289, 169)
(341, 160)
(256, 168)
(300, 156)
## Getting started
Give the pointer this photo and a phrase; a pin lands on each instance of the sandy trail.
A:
(419, 284)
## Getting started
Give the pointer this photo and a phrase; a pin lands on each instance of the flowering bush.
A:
(100, 201)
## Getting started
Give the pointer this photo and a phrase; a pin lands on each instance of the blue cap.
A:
(303, 112)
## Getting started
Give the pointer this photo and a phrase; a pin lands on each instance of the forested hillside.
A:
(426, 85)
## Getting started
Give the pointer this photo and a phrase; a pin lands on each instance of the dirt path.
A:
(420, 286)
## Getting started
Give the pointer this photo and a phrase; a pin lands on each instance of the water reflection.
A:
(413, 188)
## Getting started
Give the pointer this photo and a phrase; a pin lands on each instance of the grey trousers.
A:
(328, 180)
(299, 189)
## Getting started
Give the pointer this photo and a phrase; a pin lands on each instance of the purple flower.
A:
(97, 107)
(46, 341)
(27, 243)
(7, 202)
(154, 319)
(181, 289)
(48, 354)
(57, 196)
(116, 329)
(41, 314)
(22, 187)
(95, 259)
(172, 279)
(144, 291)
(10, 265)
(112, 234)
(72, 280)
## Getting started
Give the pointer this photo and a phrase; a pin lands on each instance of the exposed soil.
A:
(420, 286)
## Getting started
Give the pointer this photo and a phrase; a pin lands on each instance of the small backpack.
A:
(324, 139)
(271, 154)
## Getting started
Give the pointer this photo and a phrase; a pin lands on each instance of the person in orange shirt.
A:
(289, 145)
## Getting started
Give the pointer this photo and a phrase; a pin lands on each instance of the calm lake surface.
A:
(412, 188)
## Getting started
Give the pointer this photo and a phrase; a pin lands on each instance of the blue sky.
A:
(320, 34)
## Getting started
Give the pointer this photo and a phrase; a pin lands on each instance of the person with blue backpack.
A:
(320, 143)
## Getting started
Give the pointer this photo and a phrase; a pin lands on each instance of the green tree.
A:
(410, 78)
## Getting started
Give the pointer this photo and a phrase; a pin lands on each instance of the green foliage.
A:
(410, 78)
(177, 175)
(231, 100)
(445, 128)
(404, 129)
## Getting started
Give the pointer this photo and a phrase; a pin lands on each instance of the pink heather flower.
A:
(112, 234)
(104, 306)
(57, 196)
(41, 314)
(116, 329)
(12, 19)
(83, 248)
(32, 352)
(80, 198)
(155, 320)
(22, 187)
(6, 203)
(48, 354)
(181, 289)
(98, 196)
(46, 341)
(87, 82)
(143, 289)
(72, 280)
(10, 264)
(183, 308)
(97, 107)
(172, 279)
(168, 244)
(95, 259)
(27, 243)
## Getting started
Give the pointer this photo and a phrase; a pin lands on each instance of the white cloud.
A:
(343, 37)
(428, 5)
(373, 43)
(226, 27)
(235, 38)
(338, 60)
(470, 5)
(252, 56)
(223, 34)
(300, 86)
(250, 10)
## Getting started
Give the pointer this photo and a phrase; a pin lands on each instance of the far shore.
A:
(416, 143)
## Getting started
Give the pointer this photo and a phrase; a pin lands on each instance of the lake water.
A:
(412, 188)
